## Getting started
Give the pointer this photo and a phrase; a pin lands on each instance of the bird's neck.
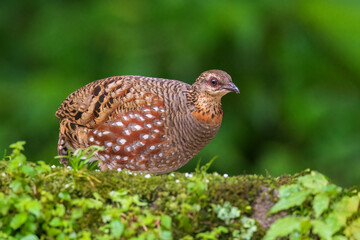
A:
(204, 107)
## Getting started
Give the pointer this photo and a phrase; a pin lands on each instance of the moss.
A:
(189, 201)
(84, 204)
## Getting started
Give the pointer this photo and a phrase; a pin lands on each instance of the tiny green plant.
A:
(82, 163)
(227, 212)
(320, 209)
(82, 158)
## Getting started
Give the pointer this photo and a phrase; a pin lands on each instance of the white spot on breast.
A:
(118, 123)
(144, 136)
(152, 147)
(162, 110)
(157, 123)
(148, 115)
(121, 141)
(135, 127)
(126, 132)
(116, 148)
(125, 158)
(161, 154)
(148, 125)
(95, 131)
(91, 139)
(128, 149)
(99, 134)
(102, 157)
(107, 144)
(131, 115)
(146, 110)
(140, 157)
(155, 131)
(107, 156)
(140, 118)
(155, 108)
(125, 118)
(117, 157)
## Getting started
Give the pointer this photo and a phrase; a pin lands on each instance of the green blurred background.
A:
(297, 64)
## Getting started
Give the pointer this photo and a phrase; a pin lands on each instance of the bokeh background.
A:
(297, 64)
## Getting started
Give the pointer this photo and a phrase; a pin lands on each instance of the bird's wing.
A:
(102, 100)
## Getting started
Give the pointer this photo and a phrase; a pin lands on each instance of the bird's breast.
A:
(208, 117)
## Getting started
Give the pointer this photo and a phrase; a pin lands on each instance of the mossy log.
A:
(189, 199)
(42, 202)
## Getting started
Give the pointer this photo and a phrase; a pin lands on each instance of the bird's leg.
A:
(64, 161)
(62, 150)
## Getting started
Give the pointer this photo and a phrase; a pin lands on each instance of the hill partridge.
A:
(145, 124)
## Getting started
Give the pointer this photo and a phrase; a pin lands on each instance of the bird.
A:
(145, 124)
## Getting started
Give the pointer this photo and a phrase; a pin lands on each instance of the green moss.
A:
(87, 204)
(319, 209)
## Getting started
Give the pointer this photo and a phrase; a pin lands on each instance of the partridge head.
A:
(145, 124)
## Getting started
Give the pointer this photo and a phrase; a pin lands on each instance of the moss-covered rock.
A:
(42, 202)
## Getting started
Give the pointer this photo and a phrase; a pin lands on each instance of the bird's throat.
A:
(206, 108)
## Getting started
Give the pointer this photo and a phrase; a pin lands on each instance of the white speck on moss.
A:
(53, 166)
(119, 169)
(69, 167)
(188, 175)
(207, 180)
(147, 176)
(177, 180)
(216, 174)
(226, 175)
(19, 164)
(66, 185)
(172, 174)
(135, 174)
(3, 174)
(97, 170)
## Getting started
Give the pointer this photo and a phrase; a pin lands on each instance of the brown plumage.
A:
(145, 124)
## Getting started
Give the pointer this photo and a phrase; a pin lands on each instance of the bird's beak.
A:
(231, 87)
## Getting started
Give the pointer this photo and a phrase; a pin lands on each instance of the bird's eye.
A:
(213, 82)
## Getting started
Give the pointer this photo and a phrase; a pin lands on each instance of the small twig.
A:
(34, 190)
(144, 227)
(157, 223)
